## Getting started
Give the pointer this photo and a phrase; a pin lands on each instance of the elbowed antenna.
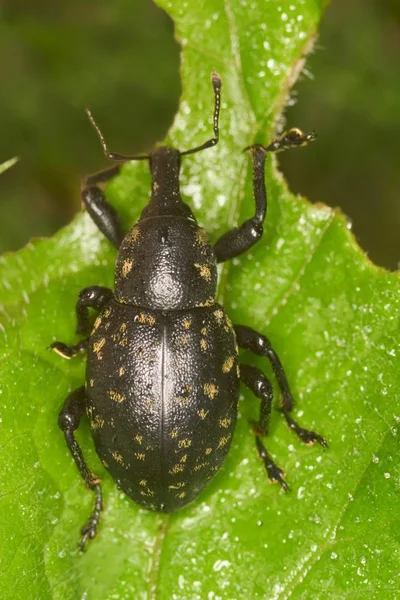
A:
(217, 85)
(108, 154)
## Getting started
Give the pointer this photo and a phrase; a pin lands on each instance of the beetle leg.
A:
(95, 296)
(259, 344)
(68, 421)
(103, 214)
(69, 351)
(256, 381)
(239, 239)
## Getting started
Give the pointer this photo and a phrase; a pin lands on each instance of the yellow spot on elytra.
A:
(117, 457)
(178, 468)
(203, 331)
(183, 458)
(184, 443)
(177, 485)
(204, 271)
(174, 433)
(145, 319)
(200, 466)
(201, 237)
(97, 346)
(123, 328)
(116, 396)
(140, 455)
(143, 482)
(202, 413)
(228, 324)
(127, 267)
(219, 315)
(149, 402)
(228, 364)
(97, 422)
(134, 234)
(187, 323)
(223, 441)
(139, 438)
(225, 422)
(97, 323)
(107, 312)
(182, 400)
(208, 451)
(181, 495)
(123, 341)
(121, 371)
(91, 382)
(203, 344)
(210, 390)
(209, 302)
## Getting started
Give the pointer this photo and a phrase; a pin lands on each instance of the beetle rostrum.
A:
(163, 369)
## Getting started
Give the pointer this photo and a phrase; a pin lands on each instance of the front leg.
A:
(103, 214)
(238, 240)
(259, 344)
(95, 297)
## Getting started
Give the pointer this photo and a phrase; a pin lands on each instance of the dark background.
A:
(120, 59)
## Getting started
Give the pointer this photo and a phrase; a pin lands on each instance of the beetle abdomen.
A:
(164, 411)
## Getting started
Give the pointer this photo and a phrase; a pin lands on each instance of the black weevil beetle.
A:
(163, 373)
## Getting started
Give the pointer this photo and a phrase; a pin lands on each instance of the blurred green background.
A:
(120, 58)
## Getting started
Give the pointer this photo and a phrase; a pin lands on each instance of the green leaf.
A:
(331, 315)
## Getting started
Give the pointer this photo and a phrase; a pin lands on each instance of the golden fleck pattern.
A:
(174, 433)
(126, 267)
(97, 323)
(140, 455)
(177, 485)
(178, 468)
(139, 438)
(107, 312)
(91, 382)
(97, 422)
(134, 234)
(116, 396)
(203, 331)
(145, 319)
(183, 458)
(181, 495)
(143, 482)
(225, 422)
(201, 237)
(238, 370)
(97, 346)
(184, 443)
(182, 400)
(211, 390)
(209, 302)
(187, 323)
(204, 271)
(208, 451)
(202, 413)
(200, 466)
(117, 457)
(228, 364)
(203, 344)
(183, 340)
(223, 441)
(219, 315)
(121, 371)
